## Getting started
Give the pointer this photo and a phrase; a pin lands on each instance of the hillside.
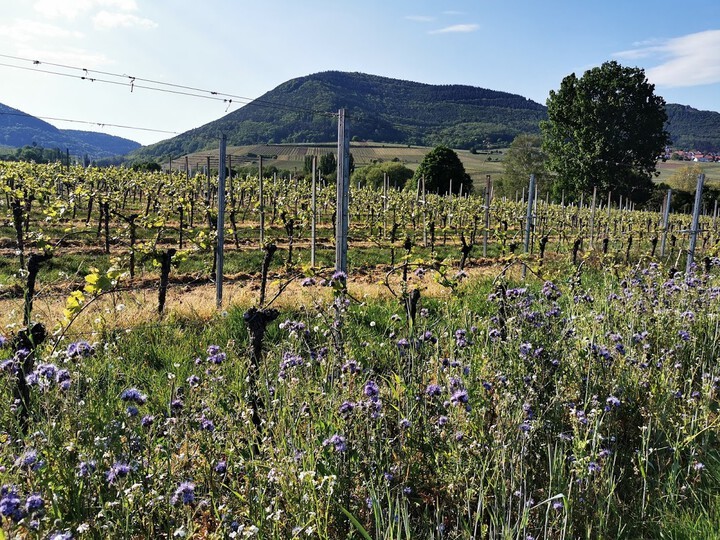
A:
(381, 109)
(393, 111)
(18, 129)
(692, 129)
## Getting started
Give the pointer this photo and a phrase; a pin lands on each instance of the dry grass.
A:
(132, 308)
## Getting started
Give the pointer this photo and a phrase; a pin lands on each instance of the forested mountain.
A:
(379, 108)
(692, 129)
(389, 110)
(18, 129)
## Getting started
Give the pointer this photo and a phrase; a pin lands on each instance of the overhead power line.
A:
(100, 124)
(131, 82)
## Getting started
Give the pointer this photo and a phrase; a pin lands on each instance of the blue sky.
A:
(247, 48)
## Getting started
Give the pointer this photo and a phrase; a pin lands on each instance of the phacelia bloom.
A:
(220, 467)
(132, 411)
(193, 381)
(371, 389)
(612, 401)
(117, 471)
(85, 468)
(79, 349)
(10, 504)
(525, 426)
(434, 390)
(147, 420)
(339, 275)
(593, 467)
(29, 461)
(65, 535)
(215, 355)
(307, 282)
(405, 423)
(442, 420)
(3, 341)
(206, 424)
(176, 404)
(185, 494)
(336, 441)
(460, 396)
(684, 335)
(699, 466)
(346, 408)
(134, 395)
(34, 503)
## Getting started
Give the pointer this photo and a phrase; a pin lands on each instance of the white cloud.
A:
(456, 28)
(107, 19)
(420, 18)
(23, 31)
(70, 9)
(689, 60)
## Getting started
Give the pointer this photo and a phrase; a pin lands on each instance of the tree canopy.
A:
(373, 175)
(441, 167)
(524, 157)
(605, 130)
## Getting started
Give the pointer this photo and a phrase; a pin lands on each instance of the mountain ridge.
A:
(18, 129)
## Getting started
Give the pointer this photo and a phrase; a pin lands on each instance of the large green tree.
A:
(524, 157)
(441, 167)
(373, 175)
(605, 130)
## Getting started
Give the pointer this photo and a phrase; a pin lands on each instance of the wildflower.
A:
(525, 426)
(558, 505)
(612, 401)
(346, 408)
(337, 441)
(307, 282)
(134, 395)
(193, 381)
(118, 470)
(206, 424)
(220, 467)
(699, 466)
(371, 389)
(593, 467)
(405, 423)
(86, 468)
(34, 503)
(79, 349)
(65, 535)
(10, 503)
(29, 461)
(684, 335)
(215, 356)
(147, 420)
(132, 410)
(460, 396)
(442, 420)
(185, 493)
(434, 390)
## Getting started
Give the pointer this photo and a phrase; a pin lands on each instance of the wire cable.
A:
(100, 124)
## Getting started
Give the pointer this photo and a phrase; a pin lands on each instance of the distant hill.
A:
(381, 109)
(692, 129)
(18, 129)
(393, 111)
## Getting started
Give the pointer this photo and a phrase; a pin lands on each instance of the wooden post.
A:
(343, 194)
(592, 219)
(528, 219)
(261, 202)
(487, 214)
(666, 217)
(219, 253)
(695, 228)
(313, 211)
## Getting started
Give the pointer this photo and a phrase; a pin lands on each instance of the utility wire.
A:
(131, 82)
(101, 124)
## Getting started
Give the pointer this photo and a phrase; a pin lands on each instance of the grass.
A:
(565, 411)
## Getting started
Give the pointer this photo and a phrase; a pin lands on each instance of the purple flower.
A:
(134, 395)
(405, 423)
(434, 390)
(193, 381)
(593, 467)
(34, 502)
(346, 407)
(206, 424)
(699, 466)
(85, 468)
(10, 503)
(337, 441)
(307, 282)
(612, 401)
(147, 420)
(185, 493)
(371, 389)
(132, 410)
(442, 420)
(460, 396)
(65, 535)
(78, 349)
(118, 470)
(220, 467)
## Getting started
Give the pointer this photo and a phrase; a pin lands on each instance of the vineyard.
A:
(523, 369)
